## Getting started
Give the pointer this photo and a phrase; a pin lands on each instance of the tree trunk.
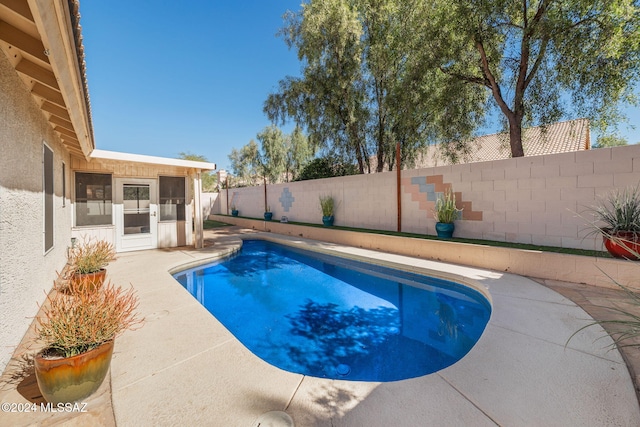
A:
(515, 135)
(380, 160)
(353, 137)
(513, 116)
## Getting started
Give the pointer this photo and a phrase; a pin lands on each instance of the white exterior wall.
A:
(26, 273)
(208, 201)
(538, 200)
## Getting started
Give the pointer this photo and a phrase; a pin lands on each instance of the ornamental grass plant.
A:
(624, 328)
(75, 323)
(91, 256)
(327, 205)
(445, 210)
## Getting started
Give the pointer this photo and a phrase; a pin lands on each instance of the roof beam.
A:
(66, 132)
(73, 147)
(61, 122)
(55, 110)
(18, 6)
(48, 94)
(23, 41)
(37, 73)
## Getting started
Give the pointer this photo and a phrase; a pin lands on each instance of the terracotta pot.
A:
(623, 244)
(74, 378)
(94, 281)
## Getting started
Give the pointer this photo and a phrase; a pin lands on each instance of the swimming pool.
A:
(329, 317)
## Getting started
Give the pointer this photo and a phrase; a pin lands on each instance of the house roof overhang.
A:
(116, 156)
(42, 40)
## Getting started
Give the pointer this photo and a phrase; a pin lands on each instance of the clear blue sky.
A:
(170, 76)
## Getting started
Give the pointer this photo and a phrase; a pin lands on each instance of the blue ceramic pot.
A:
(444, 230)
(234, 212)
(268, 216)
(327, 221)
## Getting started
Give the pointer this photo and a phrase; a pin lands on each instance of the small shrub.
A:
(91, 256)
(74, 324)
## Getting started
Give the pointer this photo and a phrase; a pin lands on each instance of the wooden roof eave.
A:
(42, 42)
(52, 18)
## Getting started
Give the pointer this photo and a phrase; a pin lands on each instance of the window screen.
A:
(137, 204)
(64, 185)
(47, 184)
(93, 199)
(172, 198)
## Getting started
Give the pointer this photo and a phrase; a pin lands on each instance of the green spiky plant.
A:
(445, 210)
(327, 205)
(619, 211)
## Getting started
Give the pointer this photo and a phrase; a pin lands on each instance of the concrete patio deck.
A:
(184, 368)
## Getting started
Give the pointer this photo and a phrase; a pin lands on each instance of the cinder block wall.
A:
(539, 200)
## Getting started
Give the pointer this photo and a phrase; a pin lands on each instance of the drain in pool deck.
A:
(274, 419)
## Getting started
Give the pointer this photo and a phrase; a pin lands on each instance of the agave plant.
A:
(619, 211)
(617, 219)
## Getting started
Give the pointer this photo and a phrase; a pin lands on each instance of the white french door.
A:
(136, 210)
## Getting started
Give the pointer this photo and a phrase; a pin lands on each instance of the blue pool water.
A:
(329, 317)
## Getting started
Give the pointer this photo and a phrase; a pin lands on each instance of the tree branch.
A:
(536, 65)
(466, 78)
(493, 85)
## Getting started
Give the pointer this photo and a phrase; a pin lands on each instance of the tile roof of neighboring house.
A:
(562, 137)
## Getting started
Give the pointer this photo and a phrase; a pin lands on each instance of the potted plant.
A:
(234, 211)
(268, 215)
(620, 213)
(445, 214)
(327, 206)
(78, 332)
(87, 262)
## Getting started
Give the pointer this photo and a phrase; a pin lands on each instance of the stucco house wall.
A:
(26, 272)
